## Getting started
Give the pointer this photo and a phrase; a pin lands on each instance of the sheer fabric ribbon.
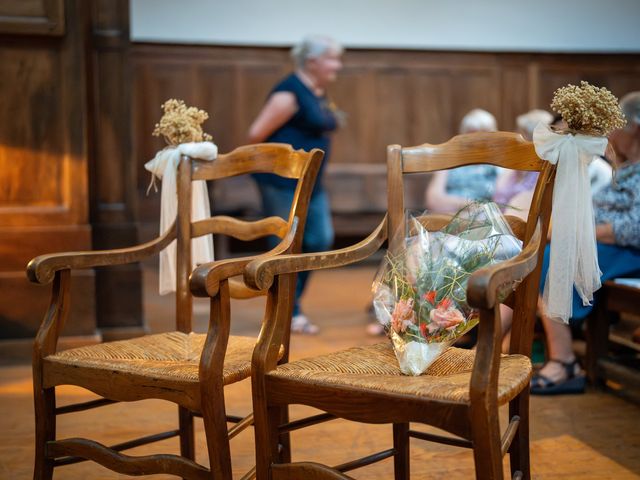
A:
(164, 166)
(573, 255)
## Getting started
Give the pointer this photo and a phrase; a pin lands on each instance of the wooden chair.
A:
(182, 367)
(461, 392)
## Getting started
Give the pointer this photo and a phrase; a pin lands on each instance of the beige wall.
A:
(470, 25)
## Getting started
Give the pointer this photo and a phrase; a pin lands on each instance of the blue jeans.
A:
(318, 232)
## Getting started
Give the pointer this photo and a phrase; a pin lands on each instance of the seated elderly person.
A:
(450, 190)
(617, 215)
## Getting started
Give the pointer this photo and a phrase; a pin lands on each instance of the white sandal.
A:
(301, 324)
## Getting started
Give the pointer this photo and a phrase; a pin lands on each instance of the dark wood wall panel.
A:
(432, 116)
(32, 17)
(34, 150)
(44, 159)
(67, 175)
(404, 97)
(356, 138)
(217, 86)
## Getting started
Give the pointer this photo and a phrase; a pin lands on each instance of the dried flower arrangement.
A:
(588, 109)
(181, 124)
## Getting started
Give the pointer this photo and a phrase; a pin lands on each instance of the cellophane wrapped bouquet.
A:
(420, 291)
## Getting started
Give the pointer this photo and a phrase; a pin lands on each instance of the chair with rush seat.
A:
(461, 392)
(182, 367)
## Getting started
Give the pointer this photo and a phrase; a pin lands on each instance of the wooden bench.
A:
(620, 297)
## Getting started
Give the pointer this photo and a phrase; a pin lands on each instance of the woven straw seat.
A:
(375, 367)
(171, 356)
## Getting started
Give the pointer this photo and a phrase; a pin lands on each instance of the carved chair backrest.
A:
(279, 159)
(507, 150)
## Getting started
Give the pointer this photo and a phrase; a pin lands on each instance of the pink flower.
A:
(444, 319)
(403, 315)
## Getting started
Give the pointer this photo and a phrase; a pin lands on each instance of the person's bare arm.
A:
(280, 107)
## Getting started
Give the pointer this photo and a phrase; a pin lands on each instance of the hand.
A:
(604, 233)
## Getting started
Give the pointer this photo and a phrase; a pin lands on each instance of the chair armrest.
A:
(43, 268)
(205, 279)
(483, 284)
(260, 273)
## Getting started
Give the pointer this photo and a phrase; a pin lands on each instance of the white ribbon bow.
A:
(573, 256)
(164, 166)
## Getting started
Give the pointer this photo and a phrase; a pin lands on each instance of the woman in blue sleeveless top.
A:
(298, 112)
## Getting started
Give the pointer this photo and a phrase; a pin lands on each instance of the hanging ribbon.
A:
(165, 166)
(573, 254)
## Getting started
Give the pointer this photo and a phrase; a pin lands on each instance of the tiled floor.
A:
(591, 436)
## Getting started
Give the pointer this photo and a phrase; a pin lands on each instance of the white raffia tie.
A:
(573, 254)
(164, 166)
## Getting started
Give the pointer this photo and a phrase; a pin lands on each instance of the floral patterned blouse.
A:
(474, 182)
(619, 205)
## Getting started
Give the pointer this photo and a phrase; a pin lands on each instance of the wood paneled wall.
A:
(67, 181)
(405, 97)
(390, 96)
(43, 161)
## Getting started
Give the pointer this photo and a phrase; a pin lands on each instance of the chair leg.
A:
(45, 413)
(401, 446)
(187, 435)
(214, 419)
(266, 421)
(487, 452)
(284, 439)
(519, 449)
(597, 340)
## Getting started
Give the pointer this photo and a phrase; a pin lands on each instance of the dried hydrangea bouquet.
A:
(181, 128)
(591, 113)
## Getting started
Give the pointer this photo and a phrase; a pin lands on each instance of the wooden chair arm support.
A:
(43, 268)
(483, 284)
(260, 273)
(205, 279)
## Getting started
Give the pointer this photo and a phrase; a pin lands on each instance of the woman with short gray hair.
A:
(298, 112)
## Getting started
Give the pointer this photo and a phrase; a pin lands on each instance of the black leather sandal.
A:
(574, 382)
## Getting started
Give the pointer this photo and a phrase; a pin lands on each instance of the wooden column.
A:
(113, 169)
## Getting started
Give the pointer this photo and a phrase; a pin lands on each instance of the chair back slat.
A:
(435, 222)
(278, 158)
(503, 149)
(239, 229)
